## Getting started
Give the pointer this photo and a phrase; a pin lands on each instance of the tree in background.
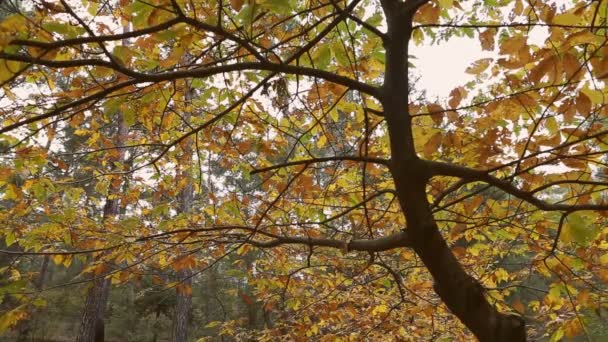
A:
(359, 208)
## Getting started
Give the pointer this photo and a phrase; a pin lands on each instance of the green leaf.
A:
(322, 56)
(213, 324)
(557, 335)
(340, 54)
(277, 6)
(10, 238)
(551, 125)
(578, 229)
(246, 15)
(447, 4)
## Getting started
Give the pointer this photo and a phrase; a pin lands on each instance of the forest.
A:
(274, 170)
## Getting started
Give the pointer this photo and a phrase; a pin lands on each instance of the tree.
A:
(371, 211)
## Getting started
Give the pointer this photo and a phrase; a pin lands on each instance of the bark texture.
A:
(461, 293)
(91, 324)
(182, 308)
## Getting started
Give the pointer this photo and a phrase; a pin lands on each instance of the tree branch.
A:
(321, 160)
(367, 245)
(200, 72)
(465, 173)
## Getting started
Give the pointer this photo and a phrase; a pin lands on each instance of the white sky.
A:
(441, 66)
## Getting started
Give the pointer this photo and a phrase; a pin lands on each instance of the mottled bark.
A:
(461, 293)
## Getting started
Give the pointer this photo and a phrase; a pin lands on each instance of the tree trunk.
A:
(182, 308)
(461, 293)
(248, 298)
(91, 325)
(185, 198)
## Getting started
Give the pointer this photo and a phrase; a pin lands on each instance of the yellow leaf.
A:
(478, 66)
(447, 4)
(58, 259)
(566, 19)
(380, 309)
(604, 259)
(551, 125)
(243, 249)
(322, 141)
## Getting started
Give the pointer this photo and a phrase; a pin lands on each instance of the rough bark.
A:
(461, 293)
(91, 325)
(182, 308)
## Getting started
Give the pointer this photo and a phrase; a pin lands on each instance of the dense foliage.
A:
(147, 143)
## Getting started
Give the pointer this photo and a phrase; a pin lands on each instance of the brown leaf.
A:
(432, 145)
(456, 96)
(542, 69)
(236, 4)
(486, 39)
(519, 307)
(437, 113)
(428, 14)
(511, 46)
(583, 104)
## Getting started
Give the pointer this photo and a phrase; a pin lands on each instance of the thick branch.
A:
(168, 76)
(200, 72)
(367, 245)
(465, 173)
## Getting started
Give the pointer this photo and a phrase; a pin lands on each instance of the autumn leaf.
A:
(236, 4)
(486, 39)
(479, 66)
(290, 160)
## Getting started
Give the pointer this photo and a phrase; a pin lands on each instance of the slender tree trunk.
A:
(185, 198)
(92, 322)
(461, 293)
(43, 271)
(182, 308)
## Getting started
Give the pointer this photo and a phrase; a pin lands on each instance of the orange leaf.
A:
(519, 307)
